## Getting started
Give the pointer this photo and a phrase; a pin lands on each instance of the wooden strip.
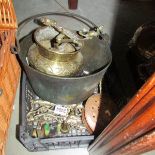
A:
(8, 88)
(12, 74)
(142, 124)
(2, 137)
(138, 109)
(138, 146)
(122, 118)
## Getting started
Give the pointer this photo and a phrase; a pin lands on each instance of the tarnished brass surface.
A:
(57, 65)
(98, 112)
(64, 127)
(72, 89)
(57, 50)
(92, 110)
(47, 119)
(72, 36)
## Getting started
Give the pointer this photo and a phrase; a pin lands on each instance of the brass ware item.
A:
(57, 50)
(98, 112)
(78, 85)
(47, 119)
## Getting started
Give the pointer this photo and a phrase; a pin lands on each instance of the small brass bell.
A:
(64, 127)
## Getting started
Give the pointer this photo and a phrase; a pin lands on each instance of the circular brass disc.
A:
(99, 111)
(92, 110)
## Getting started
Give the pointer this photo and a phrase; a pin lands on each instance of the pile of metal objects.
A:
(57, 52)
(47, 119)
(63, 69)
